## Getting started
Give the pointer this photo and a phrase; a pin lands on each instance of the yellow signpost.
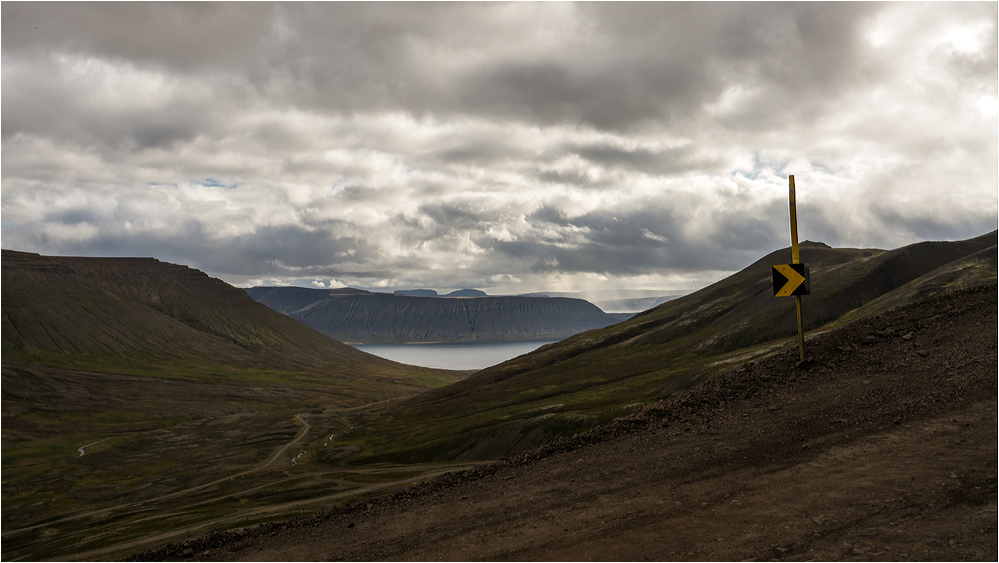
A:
(793, 279)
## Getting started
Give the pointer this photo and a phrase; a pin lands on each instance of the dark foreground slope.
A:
(881, 448)
(364, 317)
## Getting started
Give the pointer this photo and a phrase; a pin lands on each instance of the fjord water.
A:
(475, 355)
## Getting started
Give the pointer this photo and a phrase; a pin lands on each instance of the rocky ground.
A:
(881, 447)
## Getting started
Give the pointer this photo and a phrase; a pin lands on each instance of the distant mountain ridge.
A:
(433, 293)
(365, 317)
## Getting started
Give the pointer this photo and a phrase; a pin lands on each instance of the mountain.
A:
(589, 379)
(882, 448)
(466, 293)
(366, 317)
(130, 381)
(433, 293)
(208, 420)
(417, 292)
(618, 300)
(68, 309)
(288, 299)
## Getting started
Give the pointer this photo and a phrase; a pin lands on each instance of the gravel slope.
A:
(882, 447)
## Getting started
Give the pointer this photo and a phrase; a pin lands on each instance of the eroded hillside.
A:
(882, 447)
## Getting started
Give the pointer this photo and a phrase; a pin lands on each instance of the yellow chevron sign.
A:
(790, 279)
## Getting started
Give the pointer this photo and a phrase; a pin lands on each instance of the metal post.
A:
(796, 259)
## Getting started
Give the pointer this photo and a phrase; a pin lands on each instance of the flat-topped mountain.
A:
(433, 293)
(108, 310)
(364, 317)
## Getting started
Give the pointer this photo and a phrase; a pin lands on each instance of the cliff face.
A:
(383, 318)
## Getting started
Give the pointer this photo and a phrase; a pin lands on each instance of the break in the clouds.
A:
(512, 147)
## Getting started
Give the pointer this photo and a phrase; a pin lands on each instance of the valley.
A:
(225, 427)
(192, 401)
(882, 447)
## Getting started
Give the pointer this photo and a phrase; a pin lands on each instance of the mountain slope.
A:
(883, 448)
(286, 300)
(145, 308)
(131, 383)
(364, 317)
(588, 379)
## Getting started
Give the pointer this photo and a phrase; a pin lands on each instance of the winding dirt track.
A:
(276, 458)
(271, 460)
(882, 448)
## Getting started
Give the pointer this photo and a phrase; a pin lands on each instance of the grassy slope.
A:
(593, 377)
(172, 376)
(142, 316)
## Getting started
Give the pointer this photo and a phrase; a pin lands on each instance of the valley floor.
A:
(882, 447)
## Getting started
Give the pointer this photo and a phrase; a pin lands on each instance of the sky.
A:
(509, 147)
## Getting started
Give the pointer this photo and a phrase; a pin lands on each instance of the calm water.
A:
(452, 356)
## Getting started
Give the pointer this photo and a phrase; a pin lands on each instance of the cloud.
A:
(507, 146)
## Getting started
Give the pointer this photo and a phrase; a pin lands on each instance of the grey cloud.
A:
(75, 216)
(81, 110)
(752, 230)
(629, 65)
(575, 178)
(273, 251)
(181, 35)
(634, 241)
(451, 216)
(549, 214)
(665, 162)
(352, 129)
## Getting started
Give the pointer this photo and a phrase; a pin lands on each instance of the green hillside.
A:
(591, 378)
(144, 400)
(140, 315)
(132, 386)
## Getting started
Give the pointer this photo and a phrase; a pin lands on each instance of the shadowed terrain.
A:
(142, 447)
(126, 381)
(881, 448)
(588, 379)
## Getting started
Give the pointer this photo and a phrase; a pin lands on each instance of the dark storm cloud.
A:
(648, 63)
(619, 66)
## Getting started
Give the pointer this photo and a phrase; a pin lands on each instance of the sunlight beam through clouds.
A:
(511, 147)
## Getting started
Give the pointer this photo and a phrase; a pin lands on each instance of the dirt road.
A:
(883, 447)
